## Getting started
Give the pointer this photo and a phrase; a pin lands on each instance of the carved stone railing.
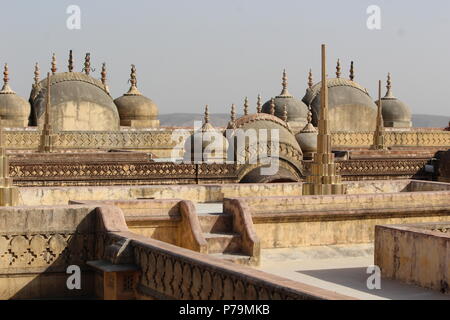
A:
(413, 138)
(165, 139)
(169, 272)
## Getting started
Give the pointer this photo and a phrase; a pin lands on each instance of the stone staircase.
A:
(217, 228)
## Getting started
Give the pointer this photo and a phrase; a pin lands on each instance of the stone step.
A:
(216, 222)
(238, 258)
(223, 242)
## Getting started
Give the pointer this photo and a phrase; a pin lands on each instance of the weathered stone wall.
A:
(196, 193)
(416, 254)
(37, 244)
(161, 142)
(342, 219)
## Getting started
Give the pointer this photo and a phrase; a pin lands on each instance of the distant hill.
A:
(221, 120)
(427, 120)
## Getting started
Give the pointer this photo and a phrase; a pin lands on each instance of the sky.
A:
(197, 52)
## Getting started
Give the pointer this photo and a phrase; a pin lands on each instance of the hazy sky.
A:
(197, 52)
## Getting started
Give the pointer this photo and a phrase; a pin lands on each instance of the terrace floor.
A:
(340, 268)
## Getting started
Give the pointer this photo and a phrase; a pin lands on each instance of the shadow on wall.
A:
(35, 259)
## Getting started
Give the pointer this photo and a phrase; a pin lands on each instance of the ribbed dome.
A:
(136, 110)
(297, 111)
(206, 144)
(395, 112)
(78, 102)
(14, 110)
(307, 138)
(351, 107)
(266, 121)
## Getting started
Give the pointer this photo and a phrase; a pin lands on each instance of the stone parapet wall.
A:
(417, 254)
(197, 193)
(170, 272)
(161, 142)
(38, 244)
(410, 138)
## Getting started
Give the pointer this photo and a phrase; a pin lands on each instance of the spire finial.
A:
(87, 64)
(258, 104)
(70, 66)
(338, 69)
(5, 75)
(310, 79)
(272, 106)
(6, 88)
(389, 93)
(245, 106)
(133, 80)
(54, 69)
(285, 113)
(284, 83)
(352, 71)
(309, 118)
(103, 73)
(36, 74)
(206, 114)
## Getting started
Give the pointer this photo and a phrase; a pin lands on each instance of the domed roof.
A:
(351, 107)
(213, 144)
(393, 110)
(14, 110)
(296, 109)
(267, 121)
(307, 137)
(78, 101)
(134, 106)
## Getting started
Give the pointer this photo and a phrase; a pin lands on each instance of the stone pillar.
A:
(47, 136)
(323, 179)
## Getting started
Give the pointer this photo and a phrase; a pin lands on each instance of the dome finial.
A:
(285, 113)
(245, 106)
(5, 75)
(54, 69)
(258, 104)
(338, 69)
(232, 122)
(36, 74)
(233, 113)
(103, 73)
(352, 71)
(87, 64)
(206, 114)
(103, 76)
(6, 88)
(272, 106)
(309, 118)
(133, 81)
(389, 93)
(70, 66)
(284, 83)
(310, 79)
